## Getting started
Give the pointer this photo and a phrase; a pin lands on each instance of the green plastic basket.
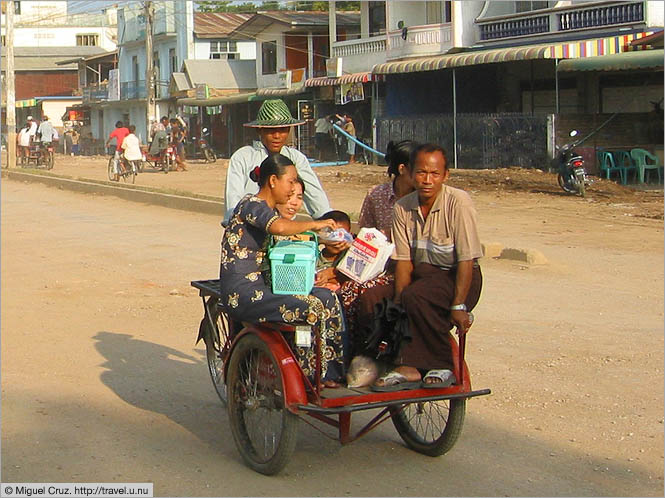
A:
(293, 265)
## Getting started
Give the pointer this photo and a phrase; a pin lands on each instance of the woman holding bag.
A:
(244, 279)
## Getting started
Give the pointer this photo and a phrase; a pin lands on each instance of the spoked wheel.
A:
(217, 346)
(430, 427)
(50, 160)
(566, 186)
(111, 170)
(265, 432)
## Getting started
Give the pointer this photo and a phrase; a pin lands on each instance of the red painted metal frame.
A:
(300, 394)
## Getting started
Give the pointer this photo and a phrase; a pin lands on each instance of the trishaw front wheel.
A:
(264, 431)
(430, 427)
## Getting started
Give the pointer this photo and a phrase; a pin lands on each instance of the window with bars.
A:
(87, 40)
(224, 49)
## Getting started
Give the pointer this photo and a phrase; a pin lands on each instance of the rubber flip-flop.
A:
(446, 379)
(395, 381)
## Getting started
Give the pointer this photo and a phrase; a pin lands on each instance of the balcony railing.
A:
(132, 90)
(95, 92)
(561, 19)
(137, 90)
(518, 27)
(602, 16)
(359, 47)
(420, 41)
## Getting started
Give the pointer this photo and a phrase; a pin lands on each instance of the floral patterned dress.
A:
(247, 294)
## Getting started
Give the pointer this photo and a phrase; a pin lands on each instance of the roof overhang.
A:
(569, 50)
(214, 101)
(641, 59)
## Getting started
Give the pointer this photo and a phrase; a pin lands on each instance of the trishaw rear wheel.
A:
(264, 431)
(217, 343)
(430, 427)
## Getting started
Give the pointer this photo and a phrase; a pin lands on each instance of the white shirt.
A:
(24, 137)
(322, 125)
(239, 184)
(33, 128)
(132, 148)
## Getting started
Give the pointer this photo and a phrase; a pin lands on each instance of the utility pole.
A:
(10, 97)
(149, 68)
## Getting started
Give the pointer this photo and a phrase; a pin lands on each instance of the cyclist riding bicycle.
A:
(131, 147)
(119, 134)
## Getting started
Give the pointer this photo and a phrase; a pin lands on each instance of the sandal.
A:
(394, 381)
(444, 378)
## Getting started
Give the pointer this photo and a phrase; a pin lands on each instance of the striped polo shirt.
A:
(448, 235)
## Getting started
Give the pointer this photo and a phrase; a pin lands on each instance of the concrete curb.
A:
(207, 206)
(185, 203)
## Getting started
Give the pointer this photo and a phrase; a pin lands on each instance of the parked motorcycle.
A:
(201, 145)
(572, 176)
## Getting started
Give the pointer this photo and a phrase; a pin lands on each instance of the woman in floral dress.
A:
(244, 270)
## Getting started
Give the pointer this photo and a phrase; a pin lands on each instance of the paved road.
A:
(102, 382)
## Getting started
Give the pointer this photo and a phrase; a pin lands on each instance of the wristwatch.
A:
(458, 307)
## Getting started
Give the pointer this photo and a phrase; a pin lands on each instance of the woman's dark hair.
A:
(302, 183)
(427, 149)
(398, 153)
(274, 164)
(119, 124)
(131, 128)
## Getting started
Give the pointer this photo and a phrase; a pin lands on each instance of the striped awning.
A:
(641, 59)
(279, 92)
(342, 80)
(571, 50)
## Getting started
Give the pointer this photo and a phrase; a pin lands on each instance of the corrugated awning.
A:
(342, 80)
(279, 92)
(571, 50)
(214, 101)
(642, 59)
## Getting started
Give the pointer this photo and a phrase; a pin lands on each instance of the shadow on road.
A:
(167, 381)
(164, 380)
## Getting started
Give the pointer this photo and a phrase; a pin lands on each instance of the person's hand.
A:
(324, 276)
(337, 247)
(321, 224)
(462, 320)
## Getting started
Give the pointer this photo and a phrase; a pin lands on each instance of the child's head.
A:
(341, 220)
(291, 207)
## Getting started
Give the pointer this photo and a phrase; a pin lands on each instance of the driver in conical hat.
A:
(273, 124)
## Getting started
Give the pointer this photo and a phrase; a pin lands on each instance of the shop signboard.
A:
(349, 92)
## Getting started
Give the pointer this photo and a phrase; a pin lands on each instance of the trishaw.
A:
(258, 378)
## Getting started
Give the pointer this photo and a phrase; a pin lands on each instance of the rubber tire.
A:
(217, 343)
(581, 188)
(209, 156)
(112, 175)
(248, 346)
(449, 433)
(169, 164)
(566, 186)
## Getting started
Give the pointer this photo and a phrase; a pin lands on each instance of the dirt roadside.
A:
(573, 350)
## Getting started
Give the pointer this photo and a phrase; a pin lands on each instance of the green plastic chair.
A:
(645, 161)
(623, 160)
(607, 165)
